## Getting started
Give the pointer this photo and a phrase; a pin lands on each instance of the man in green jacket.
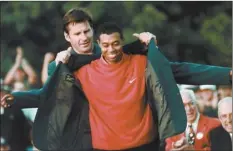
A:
(78, 31)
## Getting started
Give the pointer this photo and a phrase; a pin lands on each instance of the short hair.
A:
(224, 100)
(109, 28)
(190, 93)
(76, 15)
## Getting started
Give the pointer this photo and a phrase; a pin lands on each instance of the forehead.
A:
(225, 108)
(186, 98)
(74, 27)
(109, 38)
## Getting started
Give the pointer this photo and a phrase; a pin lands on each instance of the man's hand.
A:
(145, 37)
(7, 100)
(181, 144)
(184, 147)
(63, 56)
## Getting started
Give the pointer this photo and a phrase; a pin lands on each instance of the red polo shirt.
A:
(119, 118)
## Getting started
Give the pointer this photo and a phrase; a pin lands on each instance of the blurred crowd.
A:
(16, 124)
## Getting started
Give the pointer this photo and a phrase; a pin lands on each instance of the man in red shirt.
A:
(196, 135)
(119, 117)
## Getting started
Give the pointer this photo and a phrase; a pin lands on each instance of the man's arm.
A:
(136, 47)
(198, 74)
(27, 99)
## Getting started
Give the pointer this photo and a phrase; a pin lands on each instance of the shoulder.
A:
(138, 58)
(82, 72)
(211, 122)
(216, 130)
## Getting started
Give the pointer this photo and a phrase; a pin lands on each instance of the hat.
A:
(190, 87)
(208, 87)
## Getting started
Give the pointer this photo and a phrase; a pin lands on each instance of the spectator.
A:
(224, 91)
(16, 75)
(209, 100)
(14, 127)
(221, 137)
(195, 136)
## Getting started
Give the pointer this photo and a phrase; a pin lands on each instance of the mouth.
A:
(85, 44)
(189, 114)
(112, 56)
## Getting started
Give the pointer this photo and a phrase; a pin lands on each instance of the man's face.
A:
(190, 108)
(225, 116)
(19, 75)
(111, 47)
(80, 36)
(224, 92)
(207, 95)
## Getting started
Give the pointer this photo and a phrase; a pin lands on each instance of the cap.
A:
(208, 87)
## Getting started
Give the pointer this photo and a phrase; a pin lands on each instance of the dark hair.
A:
(76, 15)
(108, 28)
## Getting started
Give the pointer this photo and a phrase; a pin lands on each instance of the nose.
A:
(111, 49)
(84, 36)
(187, 108)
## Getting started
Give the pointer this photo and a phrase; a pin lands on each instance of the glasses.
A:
(225, 116)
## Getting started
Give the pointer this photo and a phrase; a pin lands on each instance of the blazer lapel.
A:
(200, 134)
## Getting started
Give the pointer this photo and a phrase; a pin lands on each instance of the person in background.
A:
(15, 128)
(224, 91)
(209, 100)
(195, 136)
(221, 136)
(16, 76)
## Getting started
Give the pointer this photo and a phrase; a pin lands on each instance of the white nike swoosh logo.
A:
(131, 81)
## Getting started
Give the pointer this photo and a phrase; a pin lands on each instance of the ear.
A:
(98, 41)
(67, 37)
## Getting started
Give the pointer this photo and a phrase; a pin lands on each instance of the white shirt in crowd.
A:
(194, 126)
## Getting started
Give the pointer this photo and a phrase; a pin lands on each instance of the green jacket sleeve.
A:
(198, 74)
(32, 98)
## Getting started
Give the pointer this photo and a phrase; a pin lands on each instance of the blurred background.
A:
(32, 35)
(198, 32)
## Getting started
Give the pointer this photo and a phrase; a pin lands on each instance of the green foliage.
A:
(37, 27)
(217, 30)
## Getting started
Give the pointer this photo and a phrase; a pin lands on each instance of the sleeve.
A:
(27, 99)
(77, 61)
(198, 74)
(51, 68)
(135, 47)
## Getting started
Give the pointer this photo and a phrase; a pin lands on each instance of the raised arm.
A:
(28, 69)
(11, 73)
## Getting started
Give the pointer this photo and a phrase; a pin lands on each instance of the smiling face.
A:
(225, 115)
(111, 46)
(190, 105)
(80, 36)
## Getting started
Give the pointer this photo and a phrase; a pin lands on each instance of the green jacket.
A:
(62, 120)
